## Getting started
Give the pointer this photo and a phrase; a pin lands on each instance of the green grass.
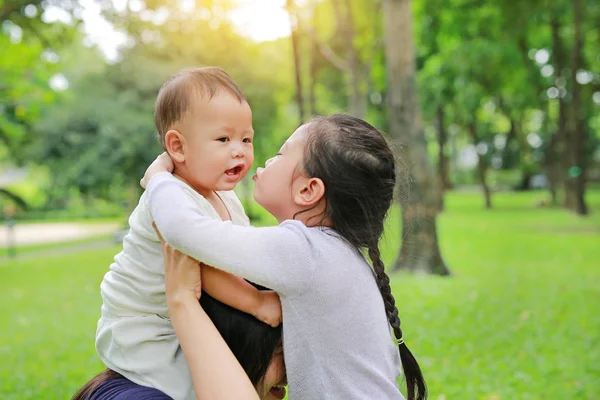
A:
(47, 326)
(519, 319)
(26, 250)
(80, 220)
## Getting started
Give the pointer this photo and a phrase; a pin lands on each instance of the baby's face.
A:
(218, 145)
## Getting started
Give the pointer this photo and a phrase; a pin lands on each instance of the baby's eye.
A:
(248, 140)
(223, 139)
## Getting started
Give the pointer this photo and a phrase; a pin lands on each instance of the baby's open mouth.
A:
(234, 171)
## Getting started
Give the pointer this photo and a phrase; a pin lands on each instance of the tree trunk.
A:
(576, 124)
(443, 162)
(558, 152)
(552, 168)
(314, 54)
(420, 249)
(295, 50)
(510, 138)
(551, 163)
(481, 167)
(527, 171)
(357, 100)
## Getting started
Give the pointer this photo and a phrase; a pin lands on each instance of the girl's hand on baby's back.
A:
(162, 163)
(182, 275)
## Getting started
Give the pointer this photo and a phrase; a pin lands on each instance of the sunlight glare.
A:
(261, 20)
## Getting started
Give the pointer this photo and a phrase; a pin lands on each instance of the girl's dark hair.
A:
(252, 342)
(356, 165)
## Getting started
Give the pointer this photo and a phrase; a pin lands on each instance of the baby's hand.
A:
(269, 310)
(163, 163)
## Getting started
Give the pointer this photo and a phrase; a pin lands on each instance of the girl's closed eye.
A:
(270, 160)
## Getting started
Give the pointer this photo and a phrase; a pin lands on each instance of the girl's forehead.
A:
(298, 137)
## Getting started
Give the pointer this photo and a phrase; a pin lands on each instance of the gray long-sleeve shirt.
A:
(336, 338)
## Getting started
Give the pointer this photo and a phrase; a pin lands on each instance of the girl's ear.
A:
(175, 145)
(310, 193)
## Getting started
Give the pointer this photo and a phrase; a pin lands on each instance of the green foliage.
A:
(475, 62)
(101, 132)
(28, 47)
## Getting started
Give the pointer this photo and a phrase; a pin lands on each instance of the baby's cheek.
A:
(250, 157)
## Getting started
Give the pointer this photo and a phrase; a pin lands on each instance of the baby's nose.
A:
(237, 151)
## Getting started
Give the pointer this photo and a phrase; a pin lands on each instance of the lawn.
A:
(28, 250)
(519, 319)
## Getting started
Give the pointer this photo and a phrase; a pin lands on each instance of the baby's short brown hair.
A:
(175, 96)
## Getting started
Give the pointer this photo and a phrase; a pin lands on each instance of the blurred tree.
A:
(102, 135)
(29, 48)
(493, 76)
(555, 162)
(295, 39)
(350, 43)
(351, 65)
(420, 249)
(314, 61)
(577, 124)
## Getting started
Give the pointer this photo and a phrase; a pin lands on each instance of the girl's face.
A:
(278, 183)
(275, 378)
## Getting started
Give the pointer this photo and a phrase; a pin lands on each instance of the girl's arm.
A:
(229, 289)
(277, 257)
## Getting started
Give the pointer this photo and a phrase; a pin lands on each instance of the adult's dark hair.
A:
(252, 342)
(357, 167)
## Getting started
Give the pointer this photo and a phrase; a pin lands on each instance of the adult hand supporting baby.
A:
(183, 288)
(182, 274)
(162, 163)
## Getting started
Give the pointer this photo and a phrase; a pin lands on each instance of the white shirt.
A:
(135, 336)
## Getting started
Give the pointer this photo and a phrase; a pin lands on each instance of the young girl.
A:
(330, 188)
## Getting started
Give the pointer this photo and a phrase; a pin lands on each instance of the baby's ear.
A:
(175, 145)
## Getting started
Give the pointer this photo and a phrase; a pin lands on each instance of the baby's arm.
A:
(239, 294)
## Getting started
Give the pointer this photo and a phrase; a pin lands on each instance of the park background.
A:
(494, 245)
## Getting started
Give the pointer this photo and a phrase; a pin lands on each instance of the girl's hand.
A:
(182, 275)
(163, 163)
